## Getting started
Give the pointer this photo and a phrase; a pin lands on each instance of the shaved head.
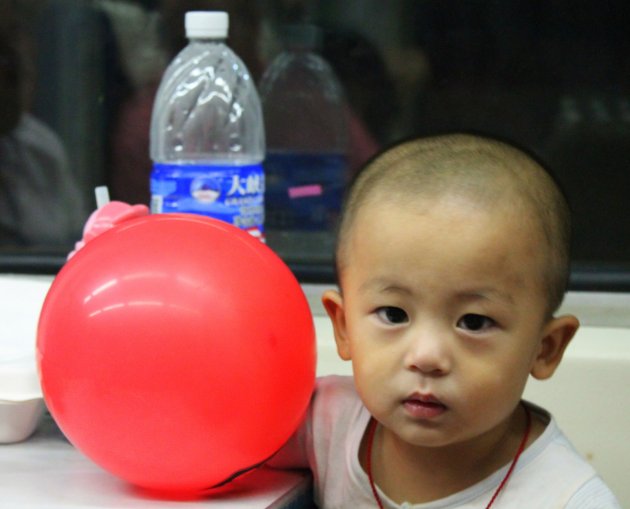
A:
(485, 172)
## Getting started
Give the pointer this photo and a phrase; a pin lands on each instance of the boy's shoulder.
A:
(552, 467)
(552, 450)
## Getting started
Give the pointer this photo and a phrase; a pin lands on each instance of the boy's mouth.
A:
(424, 406)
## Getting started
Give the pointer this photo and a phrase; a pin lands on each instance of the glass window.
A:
(78, 79)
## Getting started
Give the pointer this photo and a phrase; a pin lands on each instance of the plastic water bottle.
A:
(207, 131)
(306, 127)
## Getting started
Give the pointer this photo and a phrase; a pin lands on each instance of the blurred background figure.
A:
(370, 92)
(39, 198)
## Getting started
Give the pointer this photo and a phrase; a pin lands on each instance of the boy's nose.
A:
(428, 353)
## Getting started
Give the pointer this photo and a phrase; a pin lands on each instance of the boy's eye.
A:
(392, 315)
(475, 323)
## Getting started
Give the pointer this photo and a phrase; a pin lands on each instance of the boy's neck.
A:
(423, 474)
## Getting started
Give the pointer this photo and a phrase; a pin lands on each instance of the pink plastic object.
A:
(104, 218)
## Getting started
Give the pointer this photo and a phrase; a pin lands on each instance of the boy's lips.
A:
(424, 406)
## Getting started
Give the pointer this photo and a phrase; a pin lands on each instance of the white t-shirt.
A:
(549, 474)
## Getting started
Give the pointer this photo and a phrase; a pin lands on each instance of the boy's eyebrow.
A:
(383, 285)
(486, 294)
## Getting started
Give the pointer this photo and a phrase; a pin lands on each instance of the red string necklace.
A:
(521, 448)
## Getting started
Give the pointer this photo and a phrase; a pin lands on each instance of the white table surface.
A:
(47, 472)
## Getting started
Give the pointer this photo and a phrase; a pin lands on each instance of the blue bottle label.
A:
(234, 194)
(304, 190)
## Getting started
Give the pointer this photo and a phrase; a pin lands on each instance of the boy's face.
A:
(443, 317)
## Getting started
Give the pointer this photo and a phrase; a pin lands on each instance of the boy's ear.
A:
(333, 303)
(555, 339)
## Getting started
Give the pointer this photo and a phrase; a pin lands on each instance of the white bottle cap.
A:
(206, 24)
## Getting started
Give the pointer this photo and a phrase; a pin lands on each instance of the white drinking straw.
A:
(102, 196)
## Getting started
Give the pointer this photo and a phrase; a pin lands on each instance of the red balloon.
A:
(176, 351)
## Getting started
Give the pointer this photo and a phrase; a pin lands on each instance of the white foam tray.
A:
(19, 419)
(21, 399)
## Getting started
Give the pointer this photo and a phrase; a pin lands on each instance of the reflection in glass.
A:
(78, 80)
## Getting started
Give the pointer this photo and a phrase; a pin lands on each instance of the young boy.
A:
(452, 257)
